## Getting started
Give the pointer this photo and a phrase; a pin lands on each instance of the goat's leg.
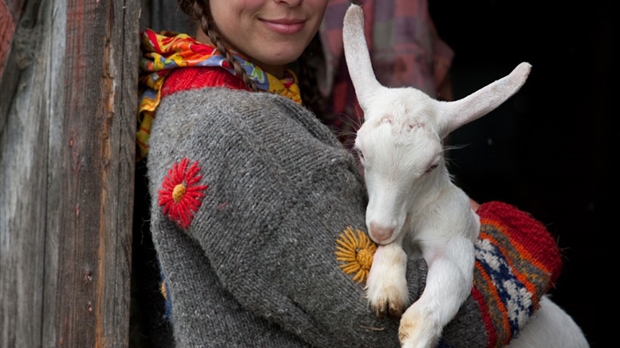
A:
(386, 287)
(448, 283)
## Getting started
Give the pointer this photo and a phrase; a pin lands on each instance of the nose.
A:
(380, 233)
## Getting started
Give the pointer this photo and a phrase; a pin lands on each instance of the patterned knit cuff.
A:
(517, 261)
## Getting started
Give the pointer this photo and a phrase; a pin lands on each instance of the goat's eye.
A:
(430, 169)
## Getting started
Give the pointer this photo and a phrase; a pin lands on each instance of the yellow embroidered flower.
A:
(356, 252)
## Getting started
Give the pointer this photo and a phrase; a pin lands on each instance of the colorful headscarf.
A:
(167, 50)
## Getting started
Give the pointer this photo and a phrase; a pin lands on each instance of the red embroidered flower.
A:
(180, 195)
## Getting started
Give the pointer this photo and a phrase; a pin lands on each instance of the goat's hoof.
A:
(387, 308)
(388, 299)
(396, 311)
(380, 311)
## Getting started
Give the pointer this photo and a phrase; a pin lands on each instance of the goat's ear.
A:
(357, 56)
(457, 113)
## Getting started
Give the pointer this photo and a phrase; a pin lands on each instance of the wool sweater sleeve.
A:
(278, 191)
(251, 198)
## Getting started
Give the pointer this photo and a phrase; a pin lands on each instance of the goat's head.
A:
(400, 141)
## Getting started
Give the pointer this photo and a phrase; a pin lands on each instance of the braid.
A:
(198, 10)
(308, 83)
(215, 39)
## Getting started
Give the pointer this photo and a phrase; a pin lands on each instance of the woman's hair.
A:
(199, 11)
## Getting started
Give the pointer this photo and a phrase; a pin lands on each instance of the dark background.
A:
(549, 149)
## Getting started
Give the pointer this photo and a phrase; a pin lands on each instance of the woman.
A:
(257, 209)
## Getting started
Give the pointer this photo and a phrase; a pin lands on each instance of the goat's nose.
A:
(379, 233)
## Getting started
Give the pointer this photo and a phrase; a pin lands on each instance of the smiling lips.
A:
(284, 26)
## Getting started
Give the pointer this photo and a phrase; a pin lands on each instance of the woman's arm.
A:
(279, 190)
(274, 195)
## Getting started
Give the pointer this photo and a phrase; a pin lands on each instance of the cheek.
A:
(232, 19)
(247, 6)
(230, 15)
(317, 7)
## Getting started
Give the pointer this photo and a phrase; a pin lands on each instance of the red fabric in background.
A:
(405, 49)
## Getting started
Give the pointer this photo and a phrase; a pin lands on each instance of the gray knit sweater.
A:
(247, 245)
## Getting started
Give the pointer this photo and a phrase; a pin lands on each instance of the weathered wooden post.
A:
(68, 95)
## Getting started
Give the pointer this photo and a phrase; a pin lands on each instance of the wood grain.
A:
(66, 175)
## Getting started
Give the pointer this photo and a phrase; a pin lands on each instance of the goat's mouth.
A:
(388, 242)
(389, 235)
(380, 234)
(393, 239)
(383, 235)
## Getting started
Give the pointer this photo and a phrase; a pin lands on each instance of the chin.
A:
(284, 57)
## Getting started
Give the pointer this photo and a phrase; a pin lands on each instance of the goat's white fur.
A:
(414, 208)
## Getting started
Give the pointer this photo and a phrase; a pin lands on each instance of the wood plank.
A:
(10, 14)
(23, 148)
(7, 28)
(96, 183)
(66, 178)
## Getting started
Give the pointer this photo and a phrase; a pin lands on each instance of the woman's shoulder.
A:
(211, 91)
(189, 78)
(217, 117)
(192, 100)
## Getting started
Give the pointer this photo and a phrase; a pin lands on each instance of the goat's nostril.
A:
(379, 233)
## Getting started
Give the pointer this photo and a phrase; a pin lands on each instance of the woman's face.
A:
(272, 33)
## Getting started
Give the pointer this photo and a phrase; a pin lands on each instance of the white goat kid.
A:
(413, 204)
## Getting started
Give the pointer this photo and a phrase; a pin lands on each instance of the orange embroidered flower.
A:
(356, 252)
(180, 195)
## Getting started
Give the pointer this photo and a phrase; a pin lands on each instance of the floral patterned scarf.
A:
(167, 50)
